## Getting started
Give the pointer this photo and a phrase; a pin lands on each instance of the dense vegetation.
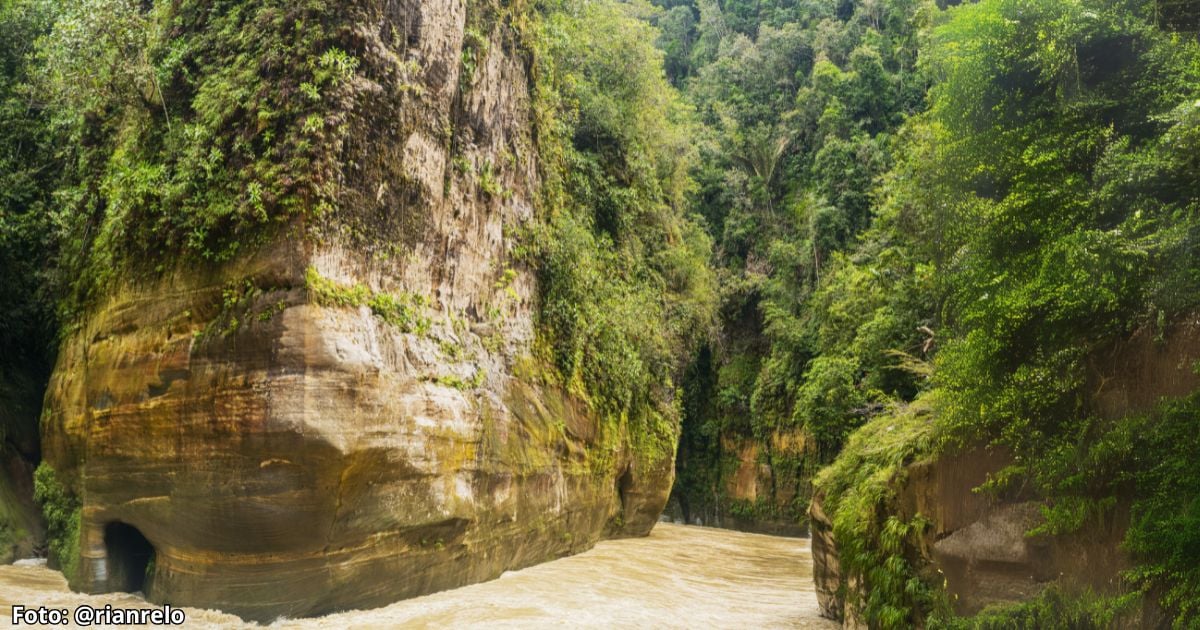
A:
(1054, 176)
(851, 233)
(801, 104)
(624, 276)
(960, 207)
(29, 171)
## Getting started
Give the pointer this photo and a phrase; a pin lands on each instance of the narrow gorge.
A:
(311, 307)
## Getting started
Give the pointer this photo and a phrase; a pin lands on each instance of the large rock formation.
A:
(327, 423)
(977, 544)
(751, 494)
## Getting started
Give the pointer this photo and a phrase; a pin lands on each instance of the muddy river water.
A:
(678, 577)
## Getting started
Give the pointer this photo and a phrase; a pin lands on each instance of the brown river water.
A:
(678, 577)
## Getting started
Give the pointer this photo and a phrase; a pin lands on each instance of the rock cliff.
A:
(353, 412)
(751, 489)
(976, 545)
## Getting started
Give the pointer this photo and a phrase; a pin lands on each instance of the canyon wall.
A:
(748, 487)
(976, 545)
(353, 412)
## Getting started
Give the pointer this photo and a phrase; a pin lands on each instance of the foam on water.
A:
(678, 577)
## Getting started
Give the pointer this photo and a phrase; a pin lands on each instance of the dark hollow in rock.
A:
(130, 556)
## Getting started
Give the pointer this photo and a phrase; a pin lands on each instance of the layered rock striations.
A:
(342, 420)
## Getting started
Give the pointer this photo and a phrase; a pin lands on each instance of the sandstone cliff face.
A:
(976, 543)
(753, 495)
(331, 423)
(756, 482)
(827, 572)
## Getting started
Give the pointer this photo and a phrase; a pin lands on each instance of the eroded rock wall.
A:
(976, 543)
(757, 488)
(352, 414)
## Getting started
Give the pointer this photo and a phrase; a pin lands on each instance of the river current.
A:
(678, 577)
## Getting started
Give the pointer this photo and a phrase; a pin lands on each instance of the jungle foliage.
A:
(29, 170)
(850, 233)
(961, 206)
(624, 276)
(826, 308)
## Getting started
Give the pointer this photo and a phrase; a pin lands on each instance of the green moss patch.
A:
(402, 310)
